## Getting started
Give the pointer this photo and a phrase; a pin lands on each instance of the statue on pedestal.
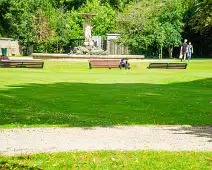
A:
(89, 48)
(88, 36)
(87, 31)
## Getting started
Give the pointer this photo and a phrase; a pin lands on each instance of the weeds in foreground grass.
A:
(146, 160)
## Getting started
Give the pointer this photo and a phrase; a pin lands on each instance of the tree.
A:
(29, 21)
(202, 19)
(197, 29)
(149, 25)
(40, 24)
(201, 23)
(171, 20)
(104, 22)
(5, 26)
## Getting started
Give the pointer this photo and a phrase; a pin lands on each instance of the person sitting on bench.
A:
(124, 63)
(3, 57)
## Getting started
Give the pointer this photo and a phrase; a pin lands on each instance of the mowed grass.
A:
(68, 94)
(111, 160)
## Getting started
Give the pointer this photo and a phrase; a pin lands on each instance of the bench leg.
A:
(90, 66)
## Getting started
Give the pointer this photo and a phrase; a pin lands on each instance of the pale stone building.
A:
(12, 46)
(115, 48)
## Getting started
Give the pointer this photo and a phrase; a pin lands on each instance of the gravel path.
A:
(125, 138)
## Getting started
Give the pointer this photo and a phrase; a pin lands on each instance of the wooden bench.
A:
(21, 64)
(104, 64)
(167, 66)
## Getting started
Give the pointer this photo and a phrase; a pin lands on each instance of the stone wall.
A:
(44, 56)
(115, 48)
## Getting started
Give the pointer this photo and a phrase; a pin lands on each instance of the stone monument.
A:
(89, 44)
(89, 48)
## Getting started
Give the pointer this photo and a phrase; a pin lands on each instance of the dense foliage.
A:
(199, 26)
(147, 27)
(152, 25)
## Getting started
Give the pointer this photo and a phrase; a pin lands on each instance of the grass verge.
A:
(147, 160)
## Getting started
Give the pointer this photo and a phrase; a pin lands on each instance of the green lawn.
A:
(68, 94)
(111, 160)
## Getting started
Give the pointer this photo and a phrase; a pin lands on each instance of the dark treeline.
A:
(147, 27)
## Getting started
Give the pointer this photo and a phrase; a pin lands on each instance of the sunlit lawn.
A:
(111, 160)
(68, 94)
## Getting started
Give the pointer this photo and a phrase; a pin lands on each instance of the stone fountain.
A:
(89, 44)
(89, 47)
(87, 51)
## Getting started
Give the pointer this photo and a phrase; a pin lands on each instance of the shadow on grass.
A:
(89, 105)
(9, 165)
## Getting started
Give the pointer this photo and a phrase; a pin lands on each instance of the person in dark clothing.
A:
(184, 50)
(124, 63)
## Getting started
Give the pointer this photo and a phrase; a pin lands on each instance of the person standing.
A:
(190, 51)
(184, 50)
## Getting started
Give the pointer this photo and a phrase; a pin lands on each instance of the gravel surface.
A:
(124, 138)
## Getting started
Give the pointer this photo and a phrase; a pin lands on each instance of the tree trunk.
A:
(161, 51)
(170, 49)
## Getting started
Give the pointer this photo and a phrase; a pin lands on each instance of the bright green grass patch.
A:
(68, 94)
(145, 160)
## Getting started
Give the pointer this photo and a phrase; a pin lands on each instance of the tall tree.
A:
(39, 23)
(104, 22)
(5, 26)
(171, 20)
(197, 29)
(201, 23)
(151, 25)
(202, 19)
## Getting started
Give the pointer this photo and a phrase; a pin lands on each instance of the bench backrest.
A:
(21, 64)
(114, 63)
(158, 64)
(177, 64)
(168, 65)
(105, 63)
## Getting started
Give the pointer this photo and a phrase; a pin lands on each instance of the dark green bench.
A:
(21, 64)
(167, 66)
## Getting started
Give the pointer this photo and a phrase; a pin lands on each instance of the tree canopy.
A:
(146, 27)
(151, 25)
